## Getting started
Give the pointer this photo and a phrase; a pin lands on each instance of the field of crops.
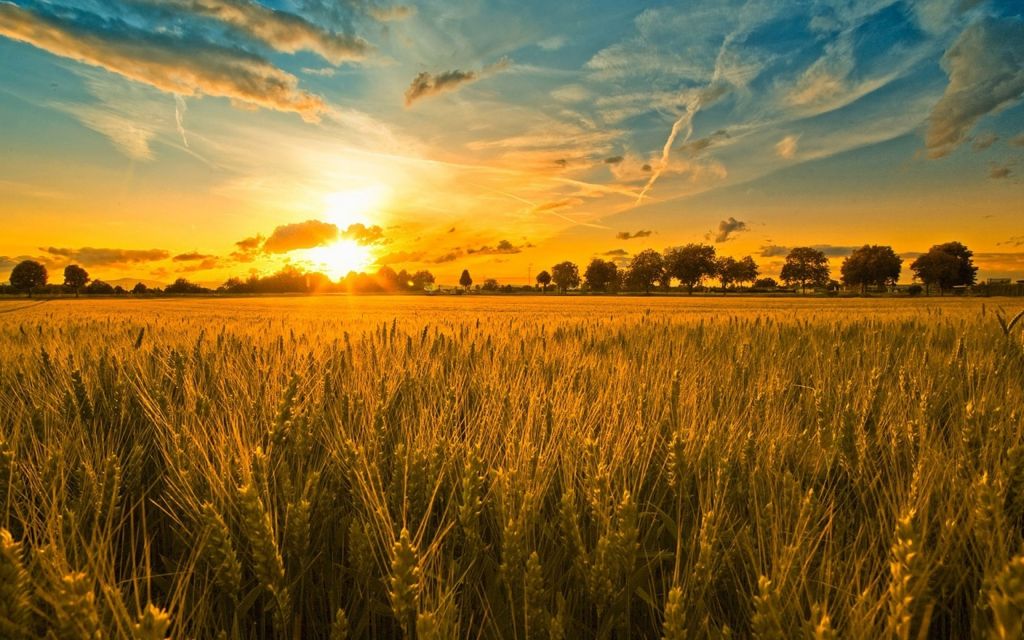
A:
(536, 467)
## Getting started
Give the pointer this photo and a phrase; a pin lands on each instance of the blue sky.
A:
(499, 135)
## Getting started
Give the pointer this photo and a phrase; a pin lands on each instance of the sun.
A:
(345, 208)
(336, 260)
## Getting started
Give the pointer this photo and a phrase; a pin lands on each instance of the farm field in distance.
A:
(511, 467)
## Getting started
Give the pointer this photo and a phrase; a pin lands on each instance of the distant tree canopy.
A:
(732, 271)
(805, 266)
(566, 275)
(465, 279)
(601, 275)
(182, 285)
(490, 284)
(765, 283)
(691, 264)
(75, 277)
(28, 276)
(140, 288)
(544, 279)
(98, 287)
(946, 266)
(646, 268)
(871, 265)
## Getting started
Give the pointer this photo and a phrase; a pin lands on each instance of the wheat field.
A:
(536, 467)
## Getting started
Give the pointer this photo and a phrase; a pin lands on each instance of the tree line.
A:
(870, 267)
(944, 267)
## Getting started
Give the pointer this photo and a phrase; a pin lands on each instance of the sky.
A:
(158, 139)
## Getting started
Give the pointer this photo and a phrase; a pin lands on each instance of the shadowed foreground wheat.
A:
(510, 469)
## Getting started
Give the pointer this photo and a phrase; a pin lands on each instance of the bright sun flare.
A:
(343, 209)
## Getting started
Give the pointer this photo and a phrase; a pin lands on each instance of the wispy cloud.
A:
(986, 73)
(283, 31)
(786, 148)
(426, 84)
(104, 257)
(181, 65)
(626, 235)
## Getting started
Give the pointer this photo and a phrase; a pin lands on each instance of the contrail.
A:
(180, 107)
(711, 92)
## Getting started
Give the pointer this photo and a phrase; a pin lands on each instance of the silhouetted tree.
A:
(421, 280)
(690, 264)
(544, 279)
(98, 287)
(465, 280)
(140, 288)
(75, 277)
(746, 270)
(765, 283)
(871, 265)
(181, 285)
(566, 275)
(726, 268)
(601, 275)
(805, 266)
(946, 265)
(646, 268)
(490, 284)
(28, 275)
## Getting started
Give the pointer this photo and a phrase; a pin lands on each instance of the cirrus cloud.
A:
(180, 65)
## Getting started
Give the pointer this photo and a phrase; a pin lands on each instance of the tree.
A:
(746, 270)
(871, 265)
(601, 275)
(646, 268)
(946, 265)
(805, 266)
(75, 277)
(422, 280)
(725, 269)
(98, 287)
(765, 283)
(141, 288)
(465, 280)
(690, 264)
(544, 279)
(28, 275)
(181, 285)
(566, 275)
(490, 284)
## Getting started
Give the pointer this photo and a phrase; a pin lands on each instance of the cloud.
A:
(285, 32)
(571, 93)
(694, 147)
(1017, 141)
(553, 43)
(364, 235)
(613, 160)
(451, 256)
(616, 253)
(999, 171)
(503, 247)
(626, 235)
(786, 148)
(727, 228)
(392, 13)
(831, 251)
(397, 257)
(426, 84)
(1015, 241)
(300, 235)
(175, 64)
(986, 73)
(191, 256)
(100, 257)
(205, 264)
(984, 141)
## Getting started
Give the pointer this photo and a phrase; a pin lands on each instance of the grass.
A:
(528, 468)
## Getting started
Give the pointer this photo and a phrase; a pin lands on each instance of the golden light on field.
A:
(338, 259)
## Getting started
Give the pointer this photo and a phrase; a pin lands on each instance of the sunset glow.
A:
(503, 138)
